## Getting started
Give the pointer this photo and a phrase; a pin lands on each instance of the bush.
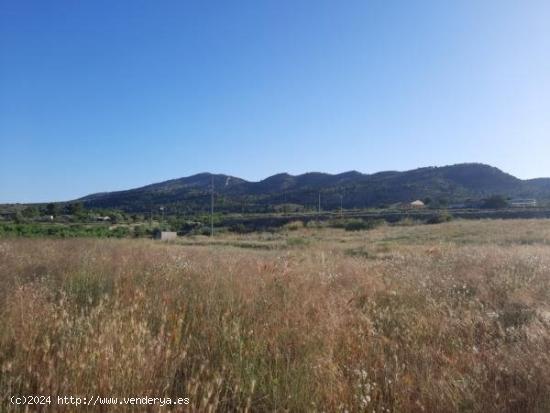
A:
(406, 222)
(294, 225)
(187, 227)
(62, 231)
(440, 218)
(359, 224)
(495, 202)
(355, 225)
(315, 224)
(240, 229)
(120, 232)
(297, 242)
(204, 230)
(338, 223)
(139, 231)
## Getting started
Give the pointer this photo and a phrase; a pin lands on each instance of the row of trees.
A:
(33, 211)
(74, 211)
(80, 213)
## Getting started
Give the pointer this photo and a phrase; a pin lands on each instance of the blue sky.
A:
(106, 95)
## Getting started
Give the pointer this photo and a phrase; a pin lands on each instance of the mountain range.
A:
(443, 185)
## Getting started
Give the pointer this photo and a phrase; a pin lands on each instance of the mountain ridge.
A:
(452, 183)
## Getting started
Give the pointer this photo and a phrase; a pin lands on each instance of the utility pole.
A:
(319, 202)
(162, 219)
(212, 207)
(341, 204)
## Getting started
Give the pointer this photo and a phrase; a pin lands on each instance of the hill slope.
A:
(454, 183)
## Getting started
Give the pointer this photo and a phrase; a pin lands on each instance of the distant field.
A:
(453, 317)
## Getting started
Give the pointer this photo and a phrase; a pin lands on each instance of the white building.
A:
(166, 235)
(417, 204)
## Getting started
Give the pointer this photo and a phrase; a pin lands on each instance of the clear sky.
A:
(100, 95)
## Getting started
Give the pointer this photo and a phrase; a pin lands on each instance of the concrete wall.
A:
(167, 235)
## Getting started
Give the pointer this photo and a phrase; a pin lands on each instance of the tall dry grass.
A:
(410, 328)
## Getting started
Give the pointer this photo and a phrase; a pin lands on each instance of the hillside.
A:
(448, 184)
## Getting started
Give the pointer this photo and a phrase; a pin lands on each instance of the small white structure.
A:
(166, 235)
(417, 204)
(523, 203)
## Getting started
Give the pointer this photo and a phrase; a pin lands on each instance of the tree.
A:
(19, 218)
(75, 208)
(116, 217)
(30, 212)
(440, 218)
(495, 202)
(52, 209)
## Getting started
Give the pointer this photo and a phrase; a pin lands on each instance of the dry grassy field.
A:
(422, 318)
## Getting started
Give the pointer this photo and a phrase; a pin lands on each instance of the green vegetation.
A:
(356, 224)
(440, 218)
(52, 209)
(495, 202)
(61, 231)
(294, 225)
(297, 241)
(283, 193)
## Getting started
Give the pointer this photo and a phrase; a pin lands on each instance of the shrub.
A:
(337, 223)
(62, 231)
(440, 218)
(297, 242)
(406, 222)
(355, 225)
(139, 231)
(294, 225)
(359, 224)
(495, 202)
(204, 230)
(315, 224)
(240, 229)
(187, 227)
(120, 232)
